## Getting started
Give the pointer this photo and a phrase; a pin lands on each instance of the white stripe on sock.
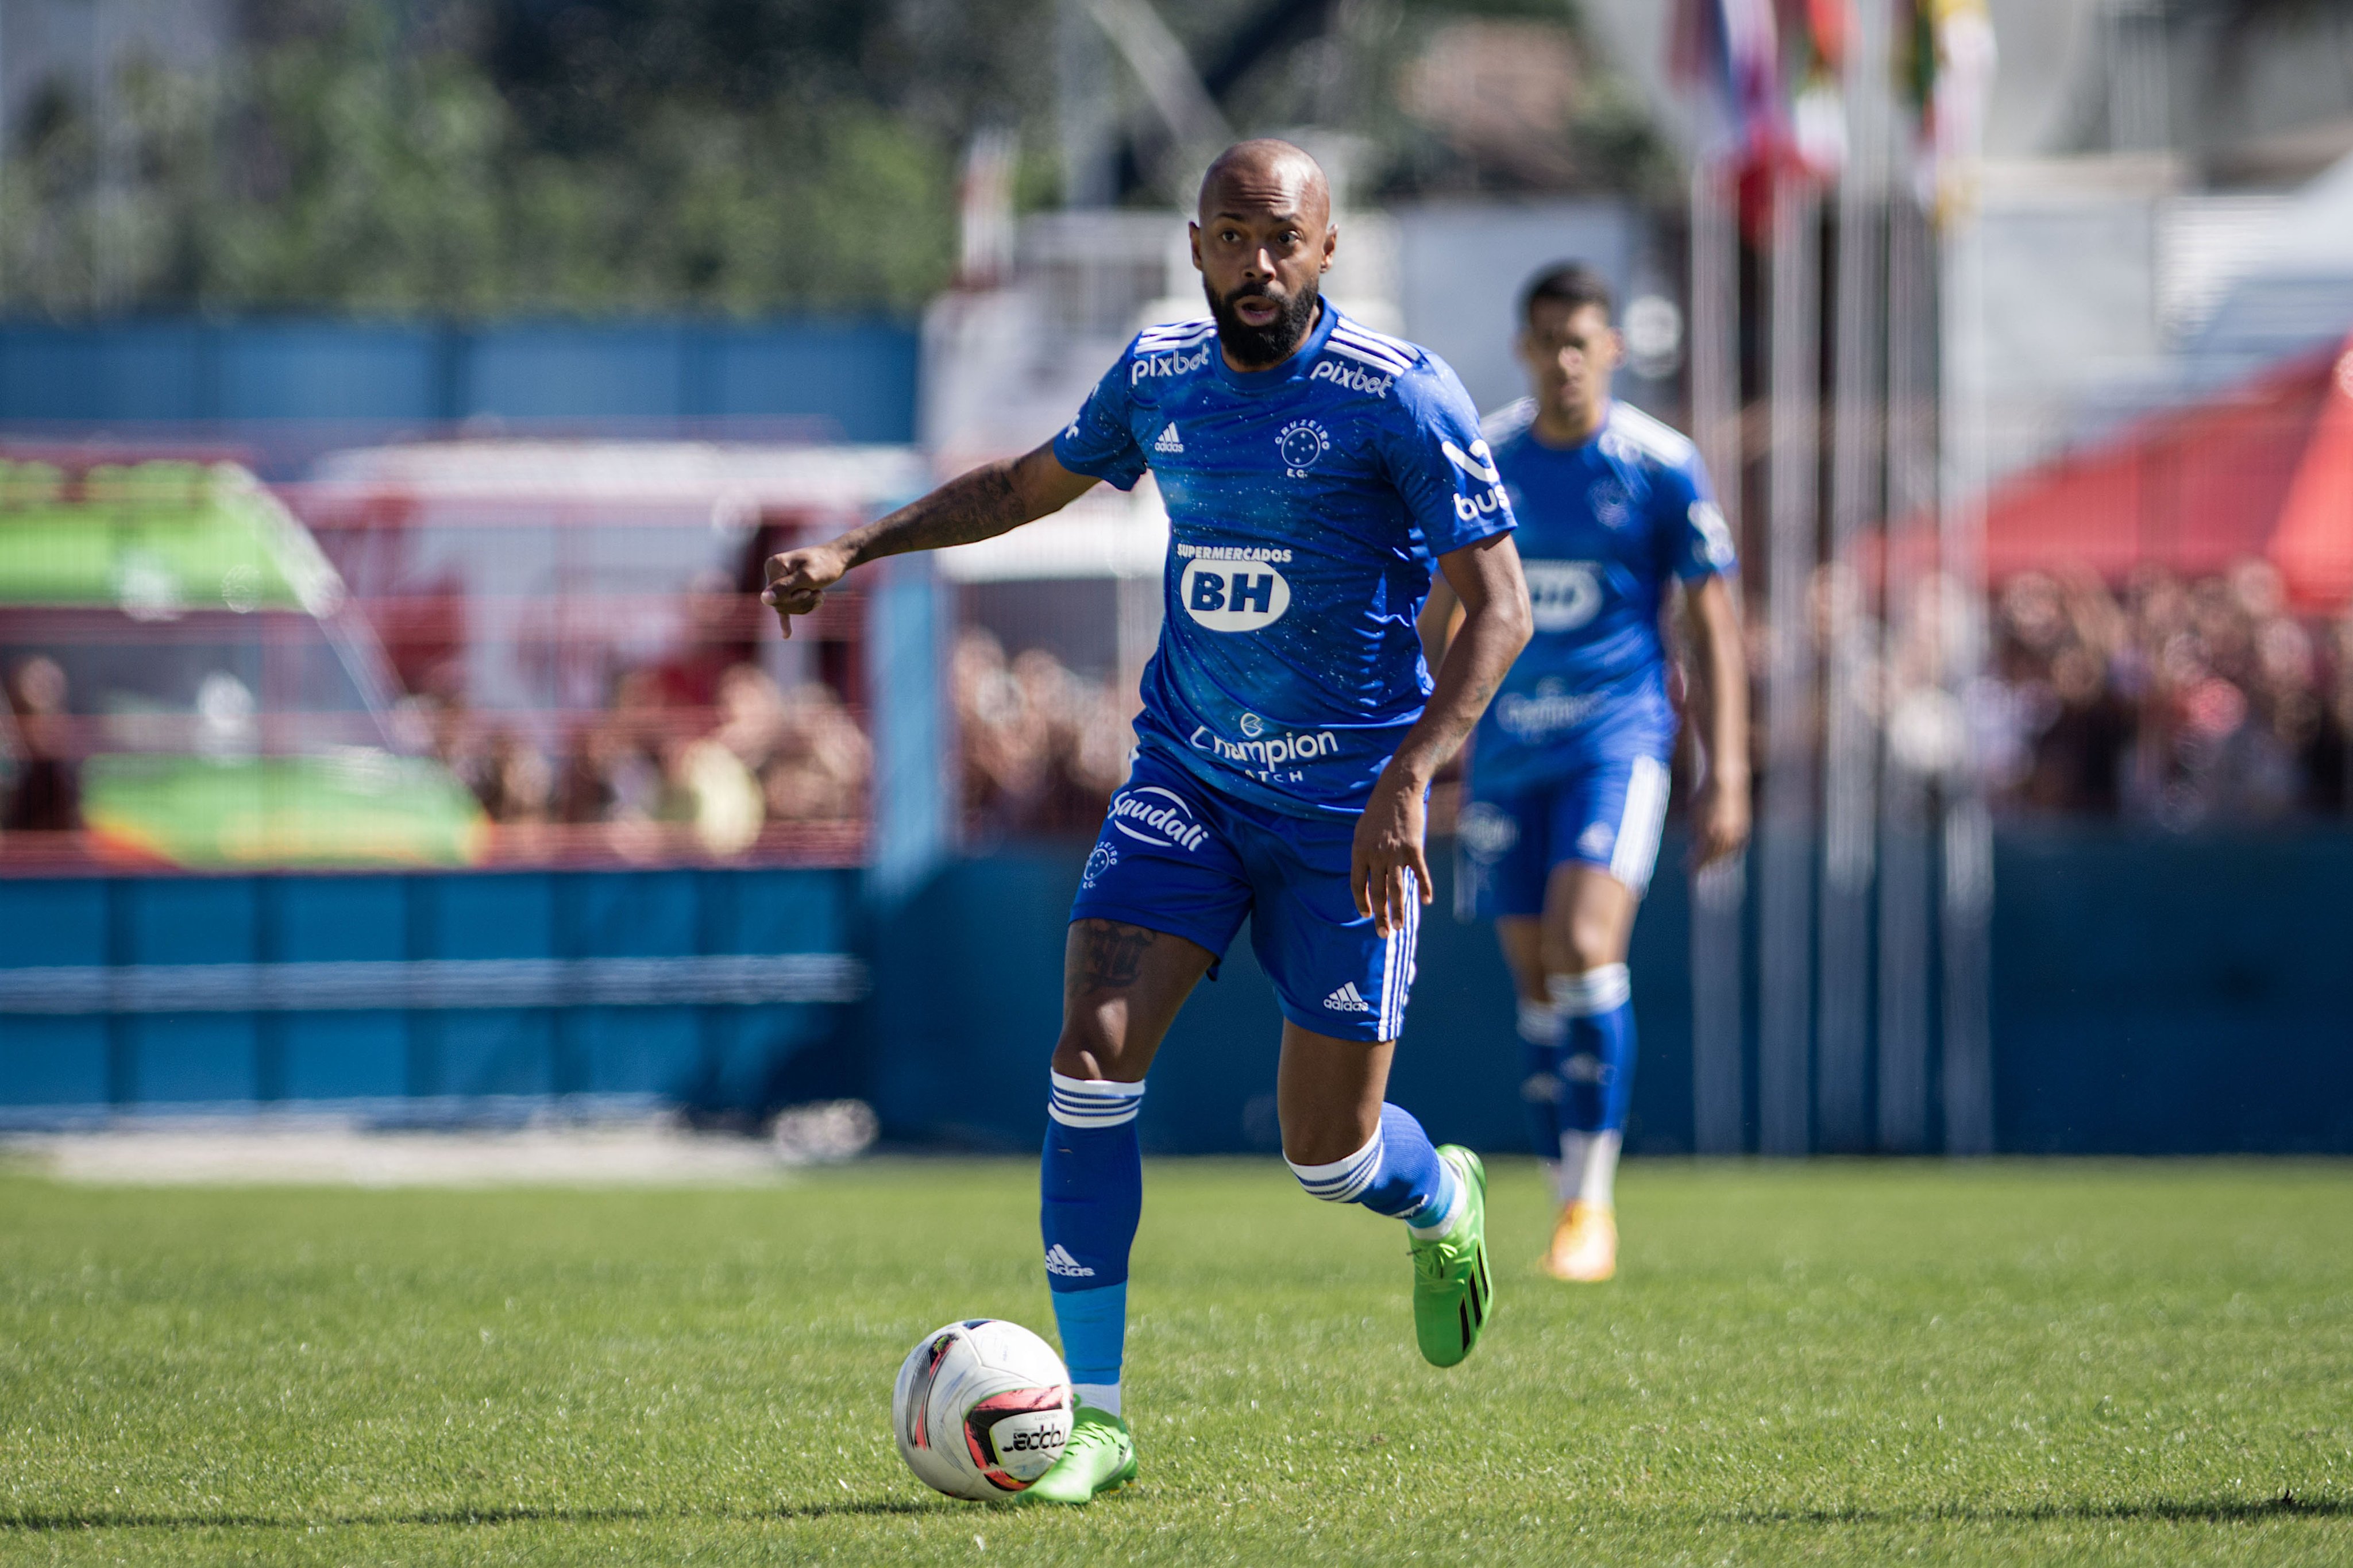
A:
(1341, 1181)
(1092, 1102)
(1103, 1396)
(1541, 1023)
(1588, 1167)
(1592, 993)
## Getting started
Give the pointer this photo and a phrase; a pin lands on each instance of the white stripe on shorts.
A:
(1637, 851)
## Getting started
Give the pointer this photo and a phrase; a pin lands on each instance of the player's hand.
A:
(1719, 820)
(797, 581)
(1385, 868)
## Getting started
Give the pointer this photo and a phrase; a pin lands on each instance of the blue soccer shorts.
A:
(1607, 813)
(1177, 857)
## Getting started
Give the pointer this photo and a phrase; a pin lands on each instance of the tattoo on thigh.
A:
(1112, 954)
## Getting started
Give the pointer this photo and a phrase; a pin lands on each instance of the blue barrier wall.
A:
(654, 936)
(2151, 995)
(856, 377)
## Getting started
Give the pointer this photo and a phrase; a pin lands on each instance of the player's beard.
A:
(1256, 348)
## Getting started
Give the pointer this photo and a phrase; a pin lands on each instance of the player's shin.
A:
(1541, 1031)
(1397, 1174)
(1598, 1071)
(1091, 1182)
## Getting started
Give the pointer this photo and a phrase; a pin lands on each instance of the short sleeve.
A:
(1441, 465)
(1694, 536)
(1099, 442)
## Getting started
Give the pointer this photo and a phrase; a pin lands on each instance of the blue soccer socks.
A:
(1542, 1031)
(1597, 1079)
(1397, 1174)
(1091, 1183)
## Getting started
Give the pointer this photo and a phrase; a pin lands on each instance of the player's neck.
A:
(1561, 427)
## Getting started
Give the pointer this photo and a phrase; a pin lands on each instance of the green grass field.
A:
(1840, 1363)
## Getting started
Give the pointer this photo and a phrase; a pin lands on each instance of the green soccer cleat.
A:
(1451, 1290)
(1099, 1458)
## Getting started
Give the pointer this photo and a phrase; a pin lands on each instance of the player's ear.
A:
(1330, 244)
(1193, 236)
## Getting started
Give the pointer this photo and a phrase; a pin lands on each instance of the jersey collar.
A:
(1296, 368)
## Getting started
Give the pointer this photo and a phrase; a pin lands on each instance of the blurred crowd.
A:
(720, 764)
(2179, 702)
(1044, 748)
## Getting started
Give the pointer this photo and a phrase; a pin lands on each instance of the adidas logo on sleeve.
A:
(1347, 999)
(1169, 440)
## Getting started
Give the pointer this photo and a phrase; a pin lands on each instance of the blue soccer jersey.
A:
(1605, 527)
(1306, 505)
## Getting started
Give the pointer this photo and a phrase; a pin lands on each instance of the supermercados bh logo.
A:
(1565, 594)
(1547, 711)
(1302, 442)
(1233, 588)
(1176, 362)
(1266, 752)
(1150, 815)
(1478, 462)
(1350, 379)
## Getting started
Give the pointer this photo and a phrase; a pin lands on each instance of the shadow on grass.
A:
(103, 1518)
(2208, 1510)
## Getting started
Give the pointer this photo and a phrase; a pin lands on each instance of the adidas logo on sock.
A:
(1060, 1261)
(1168, 441)
(1347, 999)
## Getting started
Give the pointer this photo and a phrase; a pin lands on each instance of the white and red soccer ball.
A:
(982, 1409)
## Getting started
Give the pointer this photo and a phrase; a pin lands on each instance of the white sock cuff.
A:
(1341, 1181)
(1540, 1023)
(1093, 1101)
(1595, 991)
(1103, 1396)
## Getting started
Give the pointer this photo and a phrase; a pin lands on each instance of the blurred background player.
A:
(1314, 470)
(1568, 770)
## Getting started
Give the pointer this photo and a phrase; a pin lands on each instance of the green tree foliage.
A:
(476, 158)
(500, 157)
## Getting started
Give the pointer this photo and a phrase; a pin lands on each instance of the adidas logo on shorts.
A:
(1168, 441)
(1060, 1261)
(1347, 999)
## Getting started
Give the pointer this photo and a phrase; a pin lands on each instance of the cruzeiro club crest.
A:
(1300, 443)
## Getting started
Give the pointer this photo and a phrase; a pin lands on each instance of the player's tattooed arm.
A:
(1387, 867)
(993, 498)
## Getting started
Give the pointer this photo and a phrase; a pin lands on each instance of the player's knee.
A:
(1583, 942)
(1589, 993)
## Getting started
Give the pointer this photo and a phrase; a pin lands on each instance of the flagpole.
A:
(1719, 893)
(1912, 704)
(1851, 750)
(1786, 844)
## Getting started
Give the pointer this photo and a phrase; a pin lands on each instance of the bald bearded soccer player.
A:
(1314, 471)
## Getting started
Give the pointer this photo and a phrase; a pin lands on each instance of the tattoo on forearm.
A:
(977, 505)
(1110, 956)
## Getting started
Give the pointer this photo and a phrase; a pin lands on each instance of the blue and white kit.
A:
(1570, 762)
(1307, 505)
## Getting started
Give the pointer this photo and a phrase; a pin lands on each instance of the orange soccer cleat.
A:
(1584, 1244)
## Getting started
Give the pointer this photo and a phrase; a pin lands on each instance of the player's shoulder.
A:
(1633, 436)
(1508, 424)
(1403, 380)
(1168, 351)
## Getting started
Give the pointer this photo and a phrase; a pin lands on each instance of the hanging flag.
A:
(1946, 74)
(1726, 53)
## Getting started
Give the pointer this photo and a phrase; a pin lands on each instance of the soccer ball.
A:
(982, 1409)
